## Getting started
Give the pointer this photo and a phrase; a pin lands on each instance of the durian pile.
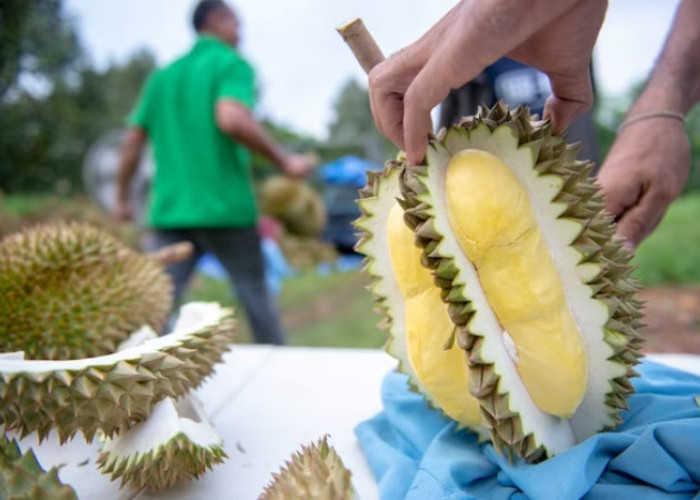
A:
(83, 309)
(506, 295)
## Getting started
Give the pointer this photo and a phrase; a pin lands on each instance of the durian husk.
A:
(175, 444)
(22, 477)
(114, 392)
(314, 473)
(597, 243)
(71, 291)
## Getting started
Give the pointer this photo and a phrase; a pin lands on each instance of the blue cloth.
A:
(415, 453)
(347, 170)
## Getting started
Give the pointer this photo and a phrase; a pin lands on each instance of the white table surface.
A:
(266, 402)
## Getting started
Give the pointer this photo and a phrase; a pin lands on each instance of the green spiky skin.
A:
(597, 243)
(314, 473)
(71, 291)
(22, 478)
(178, 460)
(110, 393)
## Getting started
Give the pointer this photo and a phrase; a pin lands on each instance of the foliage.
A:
(353, 124)
(53, 103)
(670, 254)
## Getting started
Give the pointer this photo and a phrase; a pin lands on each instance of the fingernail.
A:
(628, 245)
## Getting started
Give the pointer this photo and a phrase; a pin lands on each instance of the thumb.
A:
(570, 97)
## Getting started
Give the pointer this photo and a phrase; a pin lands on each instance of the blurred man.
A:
(196, 113)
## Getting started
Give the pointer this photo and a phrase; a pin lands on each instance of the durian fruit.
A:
(175, 444)
(22, 478)
(421, 334)
(70, 291)
(538, 285)
(314, 473)
(114, 392)
(294, 203)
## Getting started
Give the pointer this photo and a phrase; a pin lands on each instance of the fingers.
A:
(570, 97)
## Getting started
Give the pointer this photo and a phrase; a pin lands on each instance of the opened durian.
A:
(112, 393)
(517, 245)
(314, 473)
(71, 291)
(175, 444)
(21, 476)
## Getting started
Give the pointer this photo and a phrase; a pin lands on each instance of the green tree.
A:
(353, 125)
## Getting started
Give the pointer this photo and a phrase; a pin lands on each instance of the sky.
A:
(302, 62)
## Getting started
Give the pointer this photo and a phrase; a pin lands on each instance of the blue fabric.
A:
(347, 170)
(416, 453)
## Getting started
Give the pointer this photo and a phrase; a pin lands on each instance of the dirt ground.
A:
(672, 317)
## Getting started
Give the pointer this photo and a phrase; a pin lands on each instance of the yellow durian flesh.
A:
(443, 372)
(493, 220)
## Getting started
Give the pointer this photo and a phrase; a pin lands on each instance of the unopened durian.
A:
(534, 280)
(22, 478)
(314, 473)
(174, 444)
(114, 392)
(70, 291)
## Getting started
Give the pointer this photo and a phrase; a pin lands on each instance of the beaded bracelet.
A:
(652, 114)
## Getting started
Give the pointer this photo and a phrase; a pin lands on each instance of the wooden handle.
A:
(362, 44)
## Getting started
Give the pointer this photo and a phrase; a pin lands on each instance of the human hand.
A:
(123, 211)
(299, 166)
(643, 173)
(554, 37)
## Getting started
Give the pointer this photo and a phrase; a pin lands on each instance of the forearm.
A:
(134, 142)
(675, 82)
(236, 122)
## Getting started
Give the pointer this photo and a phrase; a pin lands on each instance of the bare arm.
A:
(234, 120)
(648, 164)
(134, 142)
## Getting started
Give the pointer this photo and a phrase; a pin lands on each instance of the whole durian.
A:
(294, 203)
(70, 291)
(512, 236)
(22, 478)
(314, 473)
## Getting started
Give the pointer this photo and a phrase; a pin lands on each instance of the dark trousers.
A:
(240, 254)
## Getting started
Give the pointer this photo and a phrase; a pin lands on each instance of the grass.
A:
(331, 310)
(671, 255)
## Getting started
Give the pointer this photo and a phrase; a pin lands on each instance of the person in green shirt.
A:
(196, 113)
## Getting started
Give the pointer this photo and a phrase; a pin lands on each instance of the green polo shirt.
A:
(202, 177)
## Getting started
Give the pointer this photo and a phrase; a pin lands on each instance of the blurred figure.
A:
(517, 85)
(196, 113)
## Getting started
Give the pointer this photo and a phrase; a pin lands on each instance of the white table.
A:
(266, 402)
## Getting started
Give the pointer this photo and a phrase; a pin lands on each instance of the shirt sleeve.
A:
(142, 115)
(237, 82)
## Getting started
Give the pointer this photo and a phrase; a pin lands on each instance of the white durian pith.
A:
(590, 264)
(112, 393)
(174, 444)
(421, 335)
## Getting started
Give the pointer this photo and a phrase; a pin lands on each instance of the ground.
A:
(672, 317)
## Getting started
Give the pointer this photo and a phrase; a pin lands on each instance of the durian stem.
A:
(362, 44)
(172, 253)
